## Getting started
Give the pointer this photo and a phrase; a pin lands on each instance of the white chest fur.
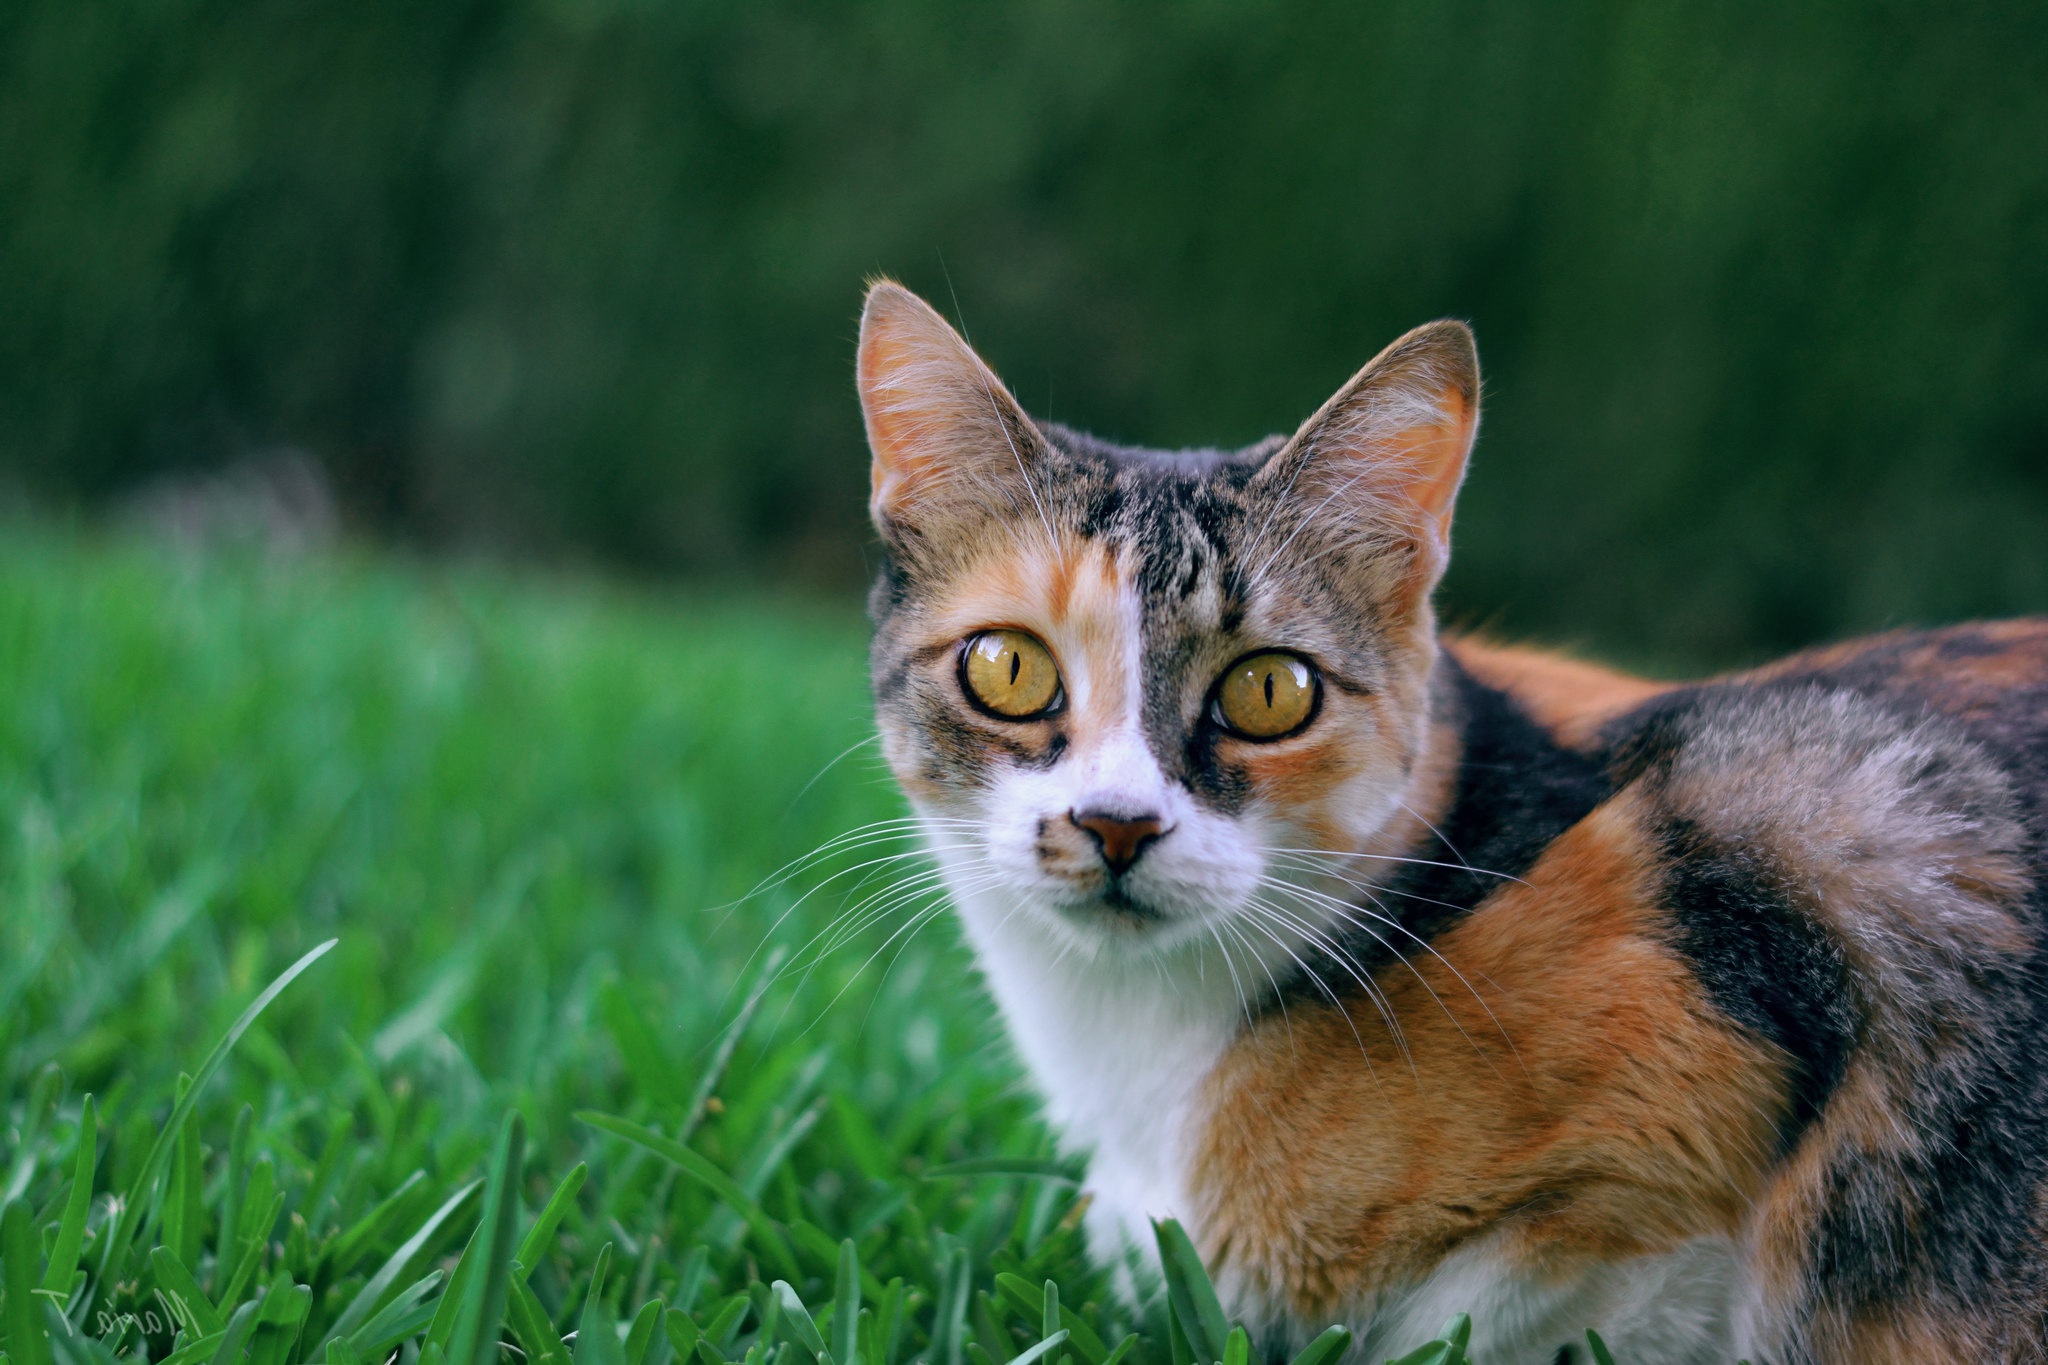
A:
(1119, 1050)
(1673, 1309)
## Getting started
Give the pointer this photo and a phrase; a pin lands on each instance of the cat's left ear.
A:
(1387, 453)
(950, 444)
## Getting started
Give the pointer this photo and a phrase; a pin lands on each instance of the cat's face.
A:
(1125, 688)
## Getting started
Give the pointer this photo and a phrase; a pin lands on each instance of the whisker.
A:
(899, 896)
(1392, 858)
(804, 790)
(1302, 863)
(769, 934)
(1279, 996)
(1260, 908)
(1441, 837)
(1348, 912)
(1331, 948)
(1236, 985)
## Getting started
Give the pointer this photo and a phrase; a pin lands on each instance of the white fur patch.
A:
(1673, 1309)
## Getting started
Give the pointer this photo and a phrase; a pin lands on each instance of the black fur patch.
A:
(1517, 790)
(1762, 960)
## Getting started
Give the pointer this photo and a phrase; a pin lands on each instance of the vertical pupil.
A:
(1269, 689)
(1016, 662)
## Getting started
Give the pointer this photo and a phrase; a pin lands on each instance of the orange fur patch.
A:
(1590, 1107)
(1566, 696)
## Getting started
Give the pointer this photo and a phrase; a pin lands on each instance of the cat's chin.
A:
(1117, 924)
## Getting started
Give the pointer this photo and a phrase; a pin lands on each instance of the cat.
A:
(1416, 974)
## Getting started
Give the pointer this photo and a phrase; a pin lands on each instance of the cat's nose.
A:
(1121, 839)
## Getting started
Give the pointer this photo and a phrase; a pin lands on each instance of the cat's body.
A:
(1456, 978)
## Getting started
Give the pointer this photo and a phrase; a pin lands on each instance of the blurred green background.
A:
(1760, 288)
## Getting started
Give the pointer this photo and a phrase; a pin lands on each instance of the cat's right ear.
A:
(1379, 465)
(949, 442)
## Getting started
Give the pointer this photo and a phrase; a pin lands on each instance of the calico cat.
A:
(1417, 975)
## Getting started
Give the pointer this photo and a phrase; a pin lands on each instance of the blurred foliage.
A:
(1760, 287)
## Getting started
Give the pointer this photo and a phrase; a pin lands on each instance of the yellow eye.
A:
(1267, 695)
(1010, 674)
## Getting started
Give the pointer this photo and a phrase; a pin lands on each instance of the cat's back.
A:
(1854, 844)
(1991, 677)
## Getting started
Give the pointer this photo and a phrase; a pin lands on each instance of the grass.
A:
(380, 980)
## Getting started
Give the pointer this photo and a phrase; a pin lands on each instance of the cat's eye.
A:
(1266, 696)
(1010, 674)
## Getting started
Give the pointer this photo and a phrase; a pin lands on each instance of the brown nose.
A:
(1120, 838)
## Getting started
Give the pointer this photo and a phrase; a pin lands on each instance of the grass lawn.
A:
(579, 1074)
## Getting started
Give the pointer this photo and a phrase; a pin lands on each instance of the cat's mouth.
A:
(1114, 911)
(1117, 903)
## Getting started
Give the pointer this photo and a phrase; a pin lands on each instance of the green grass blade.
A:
(729, 1041)
(1447, 1348)
(376, 1337)
(597, 1337)
(353, 1243)
(173, 1278)
(63, 1267)
(279, 1322)
(443, 1325)
(1458, 1331)
(646, 1060)
(121, 1234)
(228, 1219)
(25, 1318)
(252, 1254)
(530, 1323)
(542, 1233)
(1040, 1168)
(704, 1173)
(475, 1338)
(949, 1328)
(1189, 1291)
(1325, 1349)
(799, 1318)
(1178, 1350)
(181, 1211)
(199, 1348)
(372, 1295)
(725, 1323)
(1030, 1299)
(846, 1305)
(240, 1328)
(683, 1334)
(1051, 1343)
(641, 1335)
(1601, 1355)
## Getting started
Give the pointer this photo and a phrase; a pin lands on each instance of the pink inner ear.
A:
(1438, 456)
(941, 426)
(916, 378)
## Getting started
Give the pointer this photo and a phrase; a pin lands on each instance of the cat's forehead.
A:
(1179, 523)
(1136, 554)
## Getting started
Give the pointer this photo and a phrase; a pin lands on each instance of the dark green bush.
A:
(1760, 287)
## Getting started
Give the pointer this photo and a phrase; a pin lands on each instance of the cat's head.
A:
(1123, 686)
